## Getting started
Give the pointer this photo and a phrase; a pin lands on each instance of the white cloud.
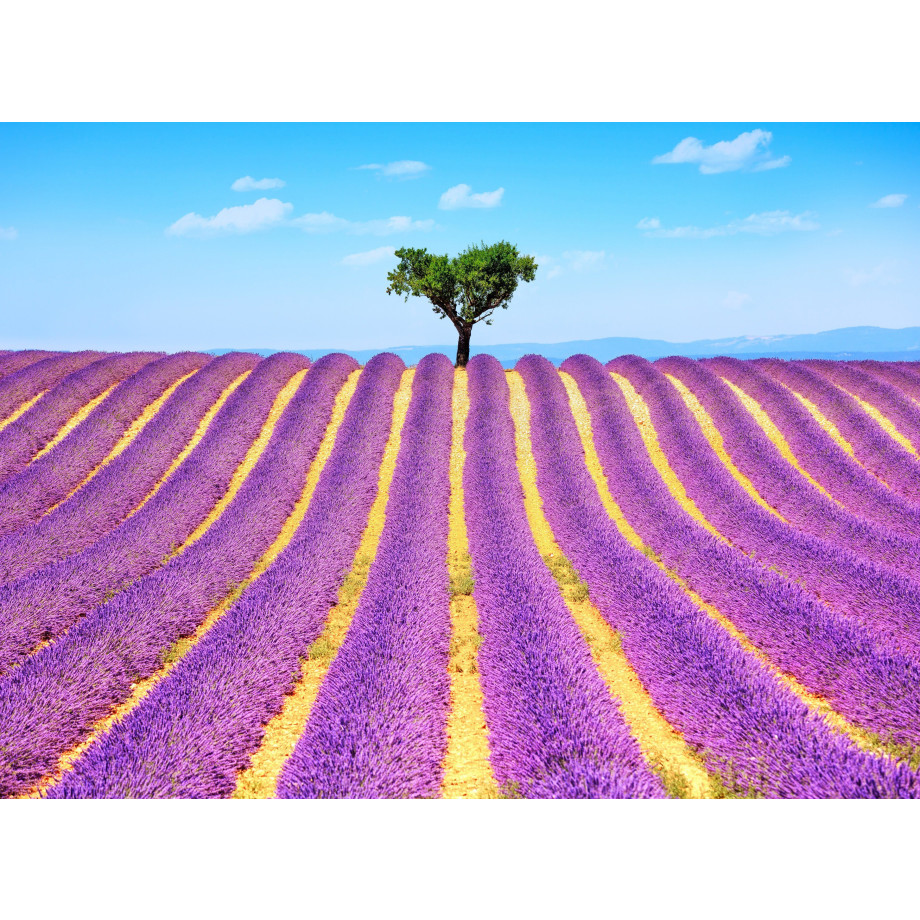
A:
(889, 201)
(735, 299)
(8, 233)
(248, 184)
(400, 169)
(370, 257)
(746, 151)
(766, 223)
(245, 218)
(329, 223)
(881, 274)
(581, 259)
(459, 196)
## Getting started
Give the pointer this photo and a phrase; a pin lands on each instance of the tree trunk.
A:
(463, 345)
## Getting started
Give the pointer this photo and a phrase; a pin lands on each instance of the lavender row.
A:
(24, 438)
(874, 449)
(27, 495)
(48, 601)
(753, 731)
(907, 380)
(52, 701)
(13, 361)
(828, 652)
(26, 383)
(378, 728)
(800, 502)
(198, 727)
(900, 409)
(554, 731)
(104, 501)
(817, 452)
(876, 595)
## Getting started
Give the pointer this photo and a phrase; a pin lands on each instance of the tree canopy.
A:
(466, 289)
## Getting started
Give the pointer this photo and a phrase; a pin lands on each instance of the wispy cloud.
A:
(889, 201)
(325, 222)
(462, 196)
(244, 218)
(248, 184)
(370, 257)
(747, 151)
(766, 223)
(734, 300)
(8, 233)
(582, 259)
(399, 169)
(881, 274)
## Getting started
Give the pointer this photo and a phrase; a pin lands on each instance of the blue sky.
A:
(118, 235)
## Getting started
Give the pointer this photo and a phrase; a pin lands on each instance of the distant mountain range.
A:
(853, 343)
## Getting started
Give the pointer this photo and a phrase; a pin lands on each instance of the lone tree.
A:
(465, 289)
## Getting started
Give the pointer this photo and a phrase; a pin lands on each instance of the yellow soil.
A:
(643, 419)
(74, 420)
(467, 771)
(184, 645)
(885, 423)
(774, 434)
(21, 410)
(661, 745)
(199, 433)
(714, 436)
(816, 703)
(283, 731)
(133, 430)
(825, 423)
(256, 449)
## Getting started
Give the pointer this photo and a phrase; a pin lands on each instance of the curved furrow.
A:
(845, 479)
(51, 477)
(23, 388)
(907, 380)
(798, 501)
(378, 726)
(199, 725)
(898, 414)
(885, 601)
(750, 728)
(73, 683)
(44, 604)
(873, 447)
(109, 497)
(828, 653)
(51, 419)
(554, 730)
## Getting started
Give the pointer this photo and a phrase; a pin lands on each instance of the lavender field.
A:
(245, 577)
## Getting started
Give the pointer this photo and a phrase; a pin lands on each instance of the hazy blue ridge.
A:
(854, 343)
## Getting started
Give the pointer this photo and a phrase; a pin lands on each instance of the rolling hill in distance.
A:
(853, 343)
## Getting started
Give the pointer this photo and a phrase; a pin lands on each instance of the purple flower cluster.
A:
(21, 440)
(900, 409)
(757, 734)
(553, 729)
(64, 688)
(884, 600)
(817, 452)
(199, 726)
(13, 361)
(48, 601)
(104, 501)
(780, 484)
(27, 495)
(902, 376)
(829, 653)
(873, 447)
(378, 727)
